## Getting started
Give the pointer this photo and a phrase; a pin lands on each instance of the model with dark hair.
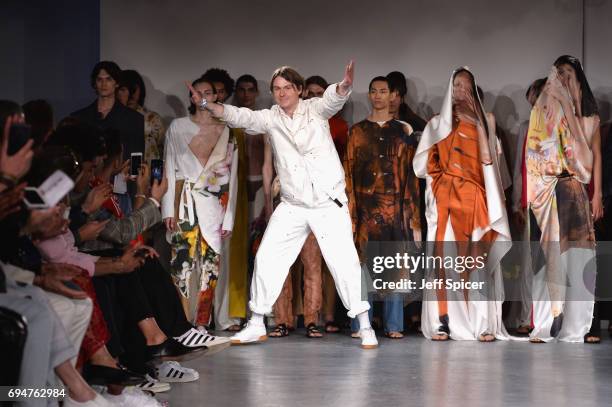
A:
(312, 193)
(383, 190)
(105, 113)
(562, 155)
(222, 81)
(132, 93)
(398, 107)
(522, 321)
(231, 295)
(459, 156)
(201, 161)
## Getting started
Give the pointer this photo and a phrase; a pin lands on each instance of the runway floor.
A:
(334, 371)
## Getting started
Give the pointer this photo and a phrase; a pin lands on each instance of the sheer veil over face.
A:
(568, 65)
(464, 83)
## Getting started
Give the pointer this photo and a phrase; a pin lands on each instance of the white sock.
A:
(364, 320)
(257, 319)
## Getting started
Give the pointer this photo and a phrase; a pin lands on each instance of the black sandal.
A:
(279, 332)
(593, 336)
(444, 332)
(313, 332)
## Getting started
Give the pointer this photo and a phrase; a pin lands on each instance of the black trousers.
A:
(127, 299)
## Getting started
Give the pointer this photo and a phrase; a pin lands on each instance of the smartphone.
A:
(157, 170)
(136, 162)
(19, 135)
(141, 253)
(33, 199)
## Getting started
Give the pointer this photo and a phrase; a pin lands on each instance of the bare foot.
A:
(440, 337)
(394, 335)
(486, 337)
(590, 338)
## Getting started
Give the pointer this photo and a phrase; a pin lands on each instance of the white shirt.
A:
(306, 160)
(181, 164)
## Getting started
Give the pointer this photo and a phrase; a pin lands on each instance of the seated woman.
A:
(459, 156)
(60, 248)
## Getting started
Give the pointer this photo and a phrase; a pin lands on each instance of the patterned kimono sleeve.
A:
(158, 132)
(348, 162)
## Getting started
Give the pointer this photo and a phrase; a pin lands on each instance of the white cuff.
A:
(155, 201)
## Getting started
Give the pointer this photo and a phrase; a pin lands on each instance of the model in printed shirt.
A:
(382, 188)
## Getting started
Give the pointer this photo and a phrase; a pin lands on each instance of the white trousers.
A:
(285, 235)
(75, 316)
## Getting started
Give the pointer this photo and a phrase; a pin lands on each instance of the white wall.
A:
(507, 44)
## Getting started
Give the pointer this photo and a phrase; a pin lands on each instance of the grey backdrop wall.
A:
(508, 44)
(598, 52)
(50, 47)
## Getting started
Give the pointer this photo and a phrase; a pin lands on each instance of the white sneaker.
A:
(195, 338)
(171, 372)
(153, 385)
(368, 338)
(250, 334)
(99, 401)
(133, 397)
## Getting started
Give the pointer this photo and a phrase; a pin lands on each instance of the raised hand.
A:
(196, 97)
(18, 164)
(143, 179)
(555, 89)
(347, 81)
(464, 108)
(159, 189)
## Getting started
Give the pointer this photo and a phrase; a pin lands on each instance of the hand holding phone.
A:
(135, 163)
(157, 170)
(16, 151)
(19, 135)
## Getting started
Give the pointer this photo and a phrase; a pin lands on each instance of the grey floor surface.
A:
(334, 371)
